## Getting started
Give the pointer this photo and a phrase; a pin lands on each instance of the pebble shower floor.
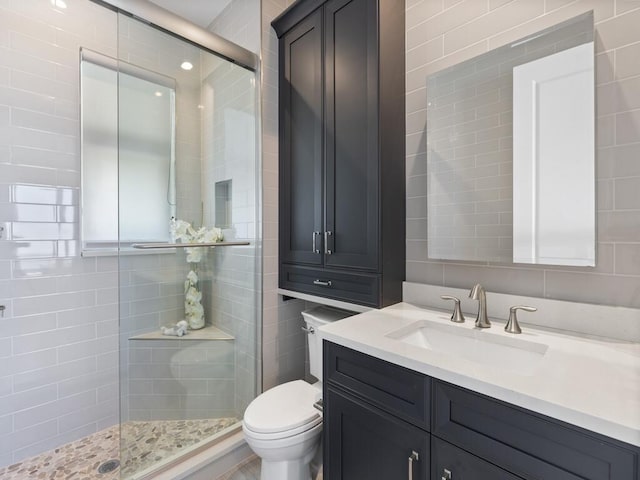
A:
(144, 445)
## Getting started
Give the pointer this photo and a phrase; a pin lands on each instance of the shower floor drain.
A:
(108, 466)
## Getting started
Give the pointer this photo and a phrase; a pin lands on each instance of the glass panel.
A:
(140, 129)
(99, 104)
(178, 383)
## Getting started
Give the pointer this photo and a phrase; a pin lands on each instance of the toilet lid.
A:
(283, 408)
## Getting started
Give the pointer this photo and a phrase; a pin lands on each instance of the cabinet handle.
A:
(413, 457)
(322, 283)
(446, 474)
(314, 247)
(327, 250)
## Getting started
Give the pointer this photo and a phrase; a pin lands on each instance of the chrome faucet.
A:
(478, 293)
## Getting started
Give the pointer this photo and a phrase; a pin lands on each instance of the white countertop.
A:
(591, 382)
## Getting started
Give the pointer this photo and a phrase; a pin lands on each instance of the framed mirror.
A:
(510, 152)
(128, 154)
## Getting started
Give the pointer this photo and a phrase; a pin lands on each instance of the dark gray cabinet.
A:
(368, 443)
(376, 416)
(301, 173)
(526, 443)
(469, 436)
(341, 144)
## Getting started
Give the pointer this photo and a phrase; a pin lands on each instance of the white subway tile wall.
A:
(239, 272)
(442, 34)
(230, 155)
(58, 336)
(239, 22)
(283, 342)
(181, 379)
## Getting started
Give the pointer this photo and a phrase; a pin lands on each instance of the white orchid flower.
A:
(194, 255)
(192, 277)
(212, 235)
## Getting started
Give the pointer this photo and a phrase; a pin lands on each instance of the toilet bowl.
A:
(282, 426)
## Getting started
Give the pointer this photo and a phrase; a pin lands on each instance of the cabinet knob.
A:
(414, 457)
(446, 474)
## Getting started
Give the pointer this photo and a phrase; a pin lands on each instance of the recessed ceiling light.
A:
(186, 65)
(59, 3)
(158, 94)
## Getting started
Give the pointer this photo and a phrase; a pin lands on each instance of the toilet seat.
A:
(283, 411)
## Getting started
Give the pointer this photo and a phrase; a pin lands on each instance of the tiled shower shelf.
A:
(207, 333)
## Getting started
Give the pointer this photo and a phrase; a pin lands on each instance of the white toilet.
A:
(281, 425)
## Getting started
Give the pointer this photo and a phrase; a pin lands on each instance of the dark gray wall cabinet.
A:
(342, 144)
(381, 418)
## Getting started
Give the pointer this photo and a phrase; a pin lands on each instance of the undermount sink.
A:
(476, 345)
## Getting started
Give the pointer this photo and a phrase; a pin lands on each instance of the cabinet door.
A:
(351, 109)
(451, 463)
(361, 442)
(301, 132)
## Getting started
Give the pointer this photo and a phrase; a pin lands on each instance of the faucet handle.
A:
(512, 325)
(456, 316)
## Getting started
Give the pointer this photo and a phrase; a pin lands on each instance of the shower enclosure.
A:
(112, 125)
(170, 163)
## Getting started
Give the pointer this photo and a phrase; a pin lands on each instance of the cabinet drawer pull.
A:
(327, 250)
(314, 247)
(413, 457)
(322, 283)
(446, 474)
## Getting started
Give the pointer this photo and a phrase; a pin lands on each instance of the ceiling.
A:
(200, 12)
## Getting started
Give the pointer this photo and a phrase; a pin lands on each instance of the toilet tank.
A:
(314, 318)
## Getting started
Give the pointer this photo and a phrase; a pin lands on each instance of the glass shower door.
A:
(187, 174)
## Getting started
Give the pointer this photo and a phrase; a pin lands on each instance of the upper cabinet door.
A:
(351, 137)
(301, 134)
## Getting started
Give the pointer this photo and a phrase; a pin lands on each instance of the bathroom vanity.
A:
(401, 402)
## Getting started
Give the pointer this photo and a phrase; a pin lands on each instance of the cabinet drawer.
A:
(358, 288)
(397, 390)
(462, 465)
(527, 444)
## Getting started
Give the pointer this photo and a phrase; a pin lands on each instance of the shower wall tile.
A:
(180, 379)
(239, 280)
(240, 23)
(615, 279)
(53, 334)
(283, 341)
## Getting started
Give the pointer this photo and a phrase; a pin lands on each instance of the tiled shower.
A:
(76, 357)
